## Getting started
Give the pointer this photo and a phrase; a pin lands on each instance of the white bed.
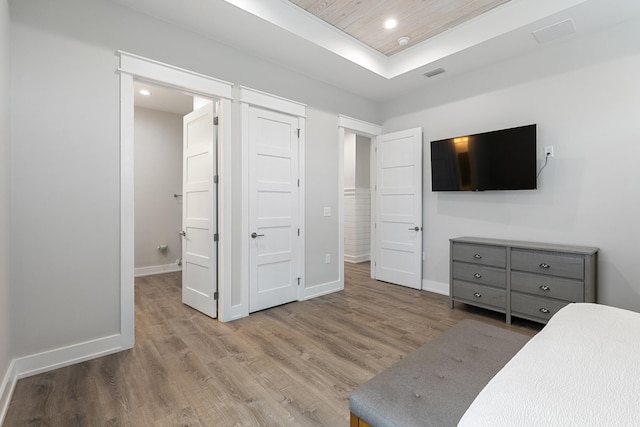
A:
(582, 369)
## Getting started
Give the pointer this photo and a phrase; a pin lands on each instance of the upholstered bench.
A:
(434, 385)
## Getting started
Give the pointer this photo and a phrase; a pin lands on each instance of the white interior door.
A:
(199, 211)
(273, 208)
(398, 231)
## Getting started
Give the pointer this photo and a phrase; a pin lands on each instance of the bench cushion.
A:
(434, 385)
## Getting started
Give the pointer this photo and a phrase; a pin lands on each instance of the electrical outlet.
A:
(548, 151)
(327, 258)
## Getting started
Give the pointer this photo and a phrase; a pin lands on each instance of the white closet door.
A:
(199, 277)
(399, 208)
(273, 208)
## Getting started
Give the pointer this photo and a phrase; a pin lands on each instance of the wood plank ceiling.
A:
(417, 19)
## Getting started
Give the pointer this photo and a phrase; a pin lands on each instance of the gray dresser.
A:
(523, 279)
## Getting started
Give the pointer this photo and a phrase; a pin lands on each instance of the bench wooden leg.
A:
(357, 422)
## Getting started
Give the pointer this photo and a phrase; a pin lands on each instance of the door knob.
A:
(254, 235)
(416, 228)
(182, 233)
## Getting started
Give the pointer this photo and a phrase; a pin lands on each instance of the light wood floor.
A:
(290, 365)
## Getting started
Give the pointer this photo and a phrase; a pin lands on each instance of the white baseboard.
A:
(6, 390)
(156, 269)
(435, 287)
(355, 259)
(34, 364)
(322, 289)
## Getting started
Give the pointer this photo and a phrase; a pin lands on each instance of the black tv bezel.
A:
(533, 166)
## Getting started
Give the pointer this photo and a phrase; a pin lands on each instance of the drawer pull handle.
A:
(545, 310)
(477, 256)
(477, 295)
(544, 288)
(544, 265)
(477, 275)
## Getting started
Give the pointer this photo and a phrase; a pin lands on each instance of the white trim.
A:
(157, 72)
(369, 130)
(244, 217)
(302, 268)
(435, 287)
(127, 244)
(359, 127)
(341, 192)
(319, 290)
(373, 177)
(226, 310)
(356, 259)
(6, 390)
(137, 67)
(64, 356)
(251, 97)
(157, 269)
(272, 102)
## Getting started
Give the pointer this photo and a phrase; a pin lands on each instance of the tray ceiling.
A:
(418, 20)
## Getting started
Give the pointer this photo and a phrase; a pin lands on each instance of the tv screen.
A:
(499, 160)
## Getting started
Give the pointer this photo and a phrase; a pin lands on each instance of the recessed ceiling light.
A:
(390, 23)
(403, 41)
(145, 92)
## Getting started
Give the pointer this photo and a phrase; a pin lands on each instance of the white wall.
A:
(65, 175)
(587, 195)
(5, 300)
(321, 187)
(158, 176)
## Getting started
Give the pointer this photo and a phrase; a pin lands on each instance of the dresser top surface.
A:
(586, 250)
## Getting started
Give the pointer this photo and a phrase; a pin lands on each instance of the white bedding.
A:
(582, 369)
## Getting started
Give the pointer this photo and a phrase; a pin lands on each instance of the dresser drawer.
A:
(480, 294)
(548, 286)
(550, 263)
(480, 254)
(480, 274)
(531, 306)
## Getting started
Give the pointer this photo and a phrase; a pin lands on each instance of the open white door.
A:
(199, 210)
(398, 249)
(273, 208)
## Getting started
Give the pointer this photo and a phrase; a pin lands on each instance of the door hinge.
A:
(215, 295)
(215, 237)
(298, 232)
(298, 182)
(298, 130)
(215, 179)
(298, 281)
(215, 121)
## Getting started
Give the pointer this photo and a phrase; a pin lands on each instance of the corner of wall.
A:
(6, 390)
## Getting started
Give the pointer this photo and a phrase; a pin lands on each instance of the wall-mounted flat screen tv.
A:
(499, 160)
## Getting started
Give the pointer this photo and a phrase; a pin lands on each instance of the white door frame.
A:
(370, 130)
(134, 67)
(252, 97)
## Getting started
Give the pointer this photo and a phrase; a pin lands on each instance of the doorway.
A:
(158, 117)
(136, 68)
(396, 201)
(357, 198)
(175, 195)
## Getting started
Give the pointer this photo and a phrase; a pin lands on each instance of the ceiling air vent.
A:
(555, 31)
(434, 72)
